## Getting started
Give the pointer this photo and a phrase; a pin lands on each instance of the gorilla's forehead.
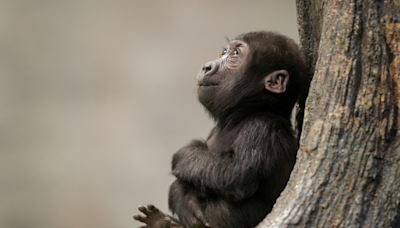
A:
(237, 43)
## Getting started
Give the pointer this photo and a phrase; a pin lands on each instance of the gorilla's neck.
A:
(232, 117)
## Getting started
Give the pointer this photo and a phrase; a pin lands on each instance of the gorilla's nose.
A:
(209, 68)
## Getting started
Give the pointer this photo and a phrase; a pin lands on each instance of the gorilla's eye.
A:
(223, 52)
(235, 53)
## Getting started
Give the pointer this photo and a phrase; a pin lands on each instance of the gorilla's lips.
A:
(207, 84)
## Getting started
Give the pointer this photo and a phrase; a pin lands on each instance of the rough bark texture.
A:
(347, 172)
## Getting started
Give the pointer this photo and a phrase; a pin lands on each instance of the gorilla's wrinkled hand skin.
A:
(154, 218)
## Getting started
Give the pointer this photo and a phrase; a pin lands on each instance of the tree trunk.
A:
(347, 172)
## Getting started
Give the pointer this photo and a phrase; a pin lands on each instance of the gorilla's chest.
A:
(222, 142)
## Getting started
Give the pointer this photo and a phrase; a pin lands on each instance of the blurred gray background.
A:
(96, 96)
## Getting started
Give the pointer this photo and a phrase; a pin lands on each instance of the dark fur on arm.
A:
(258, 149)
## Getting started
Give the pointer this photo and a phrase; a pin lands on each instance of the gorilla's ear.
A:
(277, 81)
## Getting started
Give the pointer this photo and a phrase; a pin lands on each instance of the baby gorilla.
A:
(233, 178)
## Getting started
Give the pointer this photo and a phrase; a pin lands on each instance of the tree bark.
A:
(347, 172)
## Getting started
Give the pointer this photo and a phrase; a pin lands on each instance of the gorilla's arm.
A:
(258, 149)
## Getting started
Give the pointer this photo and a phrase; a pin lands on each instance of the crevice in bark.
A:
(396, 222)
(370, 195)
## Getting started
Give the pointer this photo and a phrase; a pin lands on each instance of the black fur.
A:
(233, 178)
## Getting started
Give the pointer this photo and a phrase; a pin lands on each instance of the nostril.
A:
(206, 68)
(209, 69)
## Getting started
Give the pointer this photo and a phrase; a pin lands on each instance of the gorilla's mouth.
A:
(207, 84)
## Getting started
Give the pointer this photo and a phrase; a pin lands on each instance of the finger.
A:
(140, 218)
(144, 210)
(152, 208)
(174, 224)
